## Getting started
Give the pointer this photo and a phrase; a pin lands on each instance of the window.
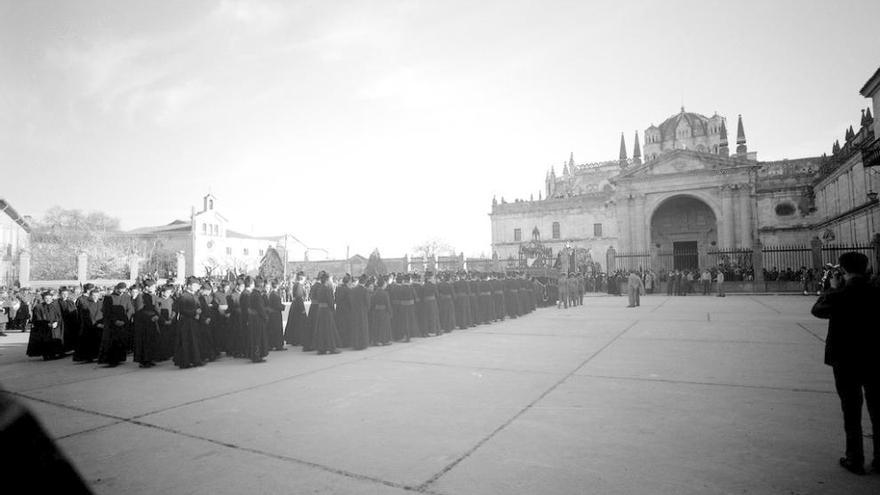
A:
(244, 251)
(517, 234)
(597, 230)
(204, 228)
(785, 209)
(261, 252)
(216, 229)
(556, 230)
(229, 251)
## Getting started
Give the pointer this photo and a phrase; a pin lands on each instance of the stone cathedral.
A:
(685, 187)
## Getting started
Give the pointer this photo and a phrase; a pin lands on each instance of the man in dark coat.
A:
(852, 349)
(117, 310)
(297, 322)
(258, 317)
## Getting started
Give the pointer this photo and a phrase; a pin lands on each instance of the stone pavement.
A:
(682, 395)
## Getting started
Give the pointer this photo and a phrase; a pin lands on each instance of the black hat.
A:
(121, 286)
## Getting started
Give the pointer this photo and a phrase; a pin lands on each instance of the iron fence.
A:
(831, 252)
(782, 257)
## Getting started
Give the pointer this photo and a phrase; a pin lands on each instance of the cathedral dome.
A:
(698, 124)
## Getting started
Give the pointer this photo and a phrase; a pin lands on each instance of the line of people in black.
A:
(197, 322)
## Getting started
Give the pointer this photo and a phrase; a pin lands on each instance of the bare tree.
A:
(433, 247)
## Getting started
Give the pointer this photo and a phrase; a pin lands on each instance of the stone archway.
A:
(685, 227)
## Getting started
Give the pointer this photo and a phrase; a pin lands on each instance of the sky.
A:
(380, 124)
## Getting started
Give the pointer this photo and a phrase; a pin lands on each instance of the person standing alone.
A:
(852, 349)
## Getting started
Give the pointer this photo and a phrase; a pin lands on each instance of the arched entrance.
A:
(683, 227)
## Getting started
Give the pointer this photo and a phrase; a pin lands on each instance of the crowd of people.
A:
(199, 321)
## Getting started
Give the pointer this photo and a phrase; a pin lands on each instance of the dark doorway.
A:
(685, 255)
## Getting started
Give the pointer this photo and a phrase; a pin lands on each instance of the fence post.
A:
(24, 268)
(875, 242)
(816, 247)
(181, 267)
(758, 262)
(82, 268)
(610, 257)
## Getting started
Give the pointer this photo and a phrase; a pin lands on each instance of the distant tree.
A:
(433, 247)
(375, 265)
(62, 234)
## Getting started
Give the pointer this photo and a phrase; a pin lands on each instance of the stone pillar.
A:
(406, 262)
(816, 247)
(24, 268)
(640, 245)
(728, 237)
(745, 216)
(623, 213)
(758, 262)
(181, 267)
(133, 267)
(82, 268)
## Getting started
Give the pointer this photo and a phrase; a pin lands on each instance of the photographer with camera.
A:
(852, 349)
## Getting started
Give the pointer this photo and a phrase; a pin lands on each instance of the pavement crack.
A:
(711, 384)
(771, 308)
(433, 479)
(817, 336)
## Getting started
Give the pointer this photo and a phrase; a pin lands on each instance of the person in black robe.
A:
(258, 317)
(92, 321)
(275, 324)
(462, 301)
(342, 315)
(117, 307)
(244, 302)
(431, 322)
(446, 304)
(297, 321)
(80, 302)
(380, 314)
(308, 335)
(326, 339)
(147, 348)
(220, 319)
(47, 333)
(359, 298)
(70, 315)
(187, 352)
(207, 316)
(167, 323)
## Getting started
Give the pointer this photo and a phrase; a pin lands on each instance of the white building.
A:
(14, 239)
(212, 247)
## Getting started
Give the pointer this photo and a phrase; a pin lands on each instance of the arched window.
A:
(556, 234)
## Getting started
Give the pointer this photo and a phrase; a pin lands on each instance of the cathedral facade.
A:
(686, 187)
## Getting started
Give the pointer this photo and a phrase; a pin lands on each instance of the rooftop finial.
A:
(622, 148)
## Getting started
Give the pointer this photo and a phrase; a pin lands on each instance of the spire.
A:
(637, 151)
(723, 150)
(565, 171)
(835, 148)
(740, 137)
(740, 133)
(622, 150)
(862, 121)
(571, 161)
(868, 117)
(852, 134)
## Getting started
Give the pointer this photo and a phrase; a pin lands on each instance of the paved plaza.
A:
(682, 395)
